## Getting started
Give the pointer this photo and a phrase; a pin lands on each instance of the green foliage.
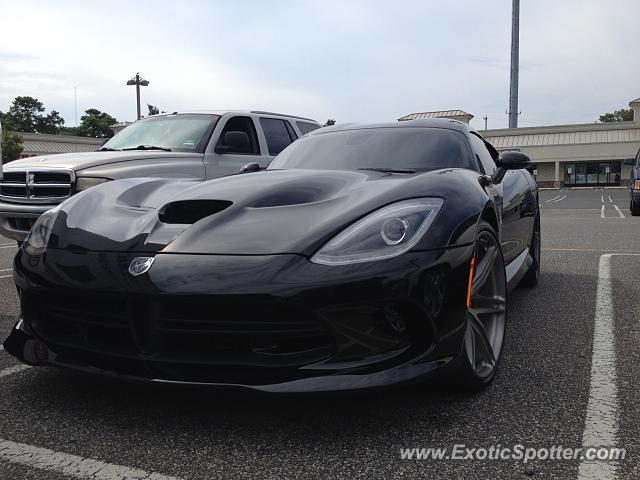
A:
(26, 115)
(329, 122)
(11, 146)
(96, 124)
(623, 115)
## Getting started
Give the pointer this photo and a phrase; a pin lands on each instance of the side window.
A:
(277, 134)
(245, 125)
(482, 154)
(306, 127)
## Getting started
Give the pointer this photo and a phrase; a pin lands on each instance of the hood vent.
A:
(190, 211)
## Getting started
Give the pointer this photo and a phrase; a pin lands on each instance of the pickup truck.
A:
(200, 145)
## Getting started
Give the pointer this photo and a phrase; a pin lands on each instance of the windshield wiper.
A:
(389, 170)
(148, 147)
(107, 149)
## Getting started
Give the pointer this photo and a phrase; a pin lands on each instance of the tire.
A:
(486, 315)
(532, 277)
(635, 209)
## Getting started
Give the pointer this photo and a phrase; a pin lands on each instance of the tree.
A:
(51, 123)
(96, 124)
(11, 146)
(26, 115)
(329, 122)
(153, 110)
(623, 115)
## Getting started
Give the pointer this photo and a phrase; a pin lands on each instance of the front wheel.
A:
(486, 313)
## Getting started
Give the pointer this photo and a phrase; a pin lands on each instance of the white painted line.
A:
(601, 423)
(5, 276)
(71, 465)
(602, 212)
(611, 201)
(619, 211)
(11, 370)
(9, 246)
(560, 199)
(6, 269)
(602, 198)
(552, 199)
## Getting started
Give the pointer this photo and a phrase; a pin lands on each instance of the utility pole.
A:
(75, 105)
(138, 81)
(485, 118)
(515, 64)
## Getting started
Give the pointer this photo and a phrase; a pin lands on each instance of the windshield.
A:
(410, 148)
(183, 132)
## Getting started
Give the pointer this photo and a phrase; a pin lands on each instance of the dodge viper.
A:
(364, 256)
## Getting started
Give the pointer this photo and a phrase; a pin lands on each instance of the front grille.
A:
(37, 185)
(182, 338)
(19, 177)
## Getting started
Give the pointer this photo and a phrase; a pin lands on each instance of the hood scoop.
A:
(186, 212)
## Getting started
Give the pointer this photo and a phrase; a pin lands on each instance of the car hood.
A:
(270, 212)
(83, 160)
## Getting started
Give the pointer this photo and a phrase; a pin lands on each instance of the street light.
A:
(138, 82)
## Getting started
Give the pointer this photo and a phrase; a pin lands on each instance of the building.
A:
(118, 126)
(590, 154)
(454, 114)
(44, 144)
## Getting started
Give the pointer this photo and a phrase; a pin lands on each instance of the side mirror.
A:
(234, 142)
(513, 160)
(629, 161)
(250, 167)
(509, 161)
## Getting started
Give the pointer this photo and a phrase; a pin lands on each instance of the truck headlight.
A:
(82, 183)
(385, 233)
(38, 238)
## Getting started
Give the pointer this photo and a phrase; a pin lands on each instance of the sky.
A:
(350, 60)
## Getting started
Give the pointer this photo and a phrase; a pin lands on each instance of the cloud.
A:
(354, 61)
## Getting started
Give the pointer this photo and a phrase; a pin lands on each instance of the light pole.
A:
(138, 81)
(515, 64)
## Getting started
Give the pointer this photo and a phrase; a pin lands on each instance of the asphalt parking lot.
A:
(553, 388)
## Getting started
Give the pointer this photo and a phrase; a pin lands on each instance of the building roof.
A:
(120, 124)
(588, 133)
(439, 114)
(40, 143)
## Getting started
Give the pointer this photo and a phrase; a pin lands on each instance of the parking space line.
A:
(71, 465)
(15, 369)
(8, 246)
(5, 276)
(602, 212)
(601, 422)
(610, 199)
(619, 211)
(552, 199)
(602, 198)
(5, 269)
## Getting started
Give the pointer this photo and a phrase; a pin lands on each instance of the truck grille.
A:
(37, 185)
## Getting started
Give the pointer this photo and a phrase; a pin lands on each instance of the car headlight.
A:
(38, 238)
(385, 233)
(82, 183)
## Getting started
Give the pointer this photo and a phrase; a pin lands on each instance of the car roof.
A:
(237, 112)
(449, 124)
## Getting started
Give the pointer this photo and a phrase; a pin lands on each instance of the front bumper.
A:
(273, 323)
(16, 219)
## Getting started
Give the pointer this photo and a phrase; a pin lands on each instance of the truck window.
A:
(306, 127)
(243, 124)
(277, 135)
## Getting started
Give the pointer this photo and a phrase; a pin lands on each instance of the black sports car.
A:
(363, 256)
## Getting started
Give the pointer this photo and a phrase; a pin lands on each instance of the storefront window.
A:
(594, 173)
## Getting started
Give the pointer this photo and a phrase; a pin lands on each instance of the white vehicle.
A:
(201, 145)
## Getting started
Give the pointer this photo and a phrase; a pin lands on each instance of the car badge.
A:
(140, 265)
